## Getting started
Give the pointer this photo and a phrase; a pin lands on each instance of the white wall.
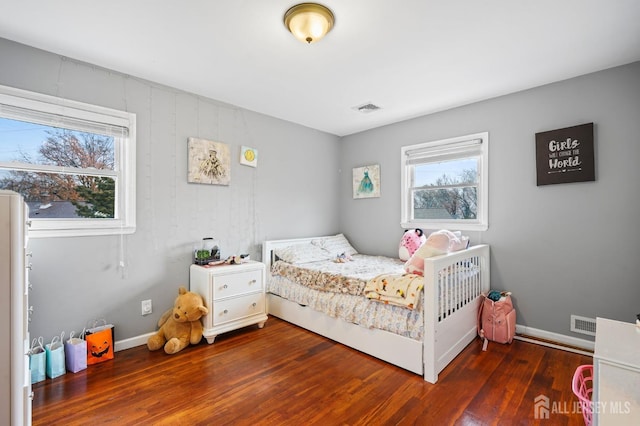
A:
(561, 249)
(290, 194)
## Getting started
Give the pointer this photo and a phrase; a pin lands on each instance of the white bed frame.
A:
(444, 338)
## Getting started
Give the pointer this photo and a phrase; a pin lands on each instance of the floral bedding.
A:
(337, 289)
(349, 277)
(354, 309)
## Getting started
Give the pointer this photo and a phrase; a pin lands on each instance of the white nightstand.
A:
(234, 294)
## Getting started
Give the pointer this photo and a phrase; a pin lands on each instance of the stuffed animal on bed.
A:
(437, 243)
(411, 241)
(180, 325)
(343, 258)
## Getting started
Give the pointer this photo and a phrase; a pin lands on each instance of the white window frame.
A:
(474, 145)
(25, 105)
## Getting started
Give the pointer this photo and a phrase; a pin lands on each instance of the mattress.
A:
(336, 290)
(337, 301)
(354, 309)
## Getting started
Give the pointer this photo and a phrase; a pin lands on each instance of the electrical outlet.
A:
(146, 307)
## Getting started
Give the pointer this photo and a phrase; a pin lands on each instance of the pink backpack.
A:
(496, 319)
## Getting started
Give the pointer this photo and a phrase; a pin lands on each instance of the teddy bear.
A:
(411, 241)
(180, 325)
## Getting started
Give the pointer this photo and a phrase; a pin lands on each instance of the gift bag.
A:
(37, 360)
(55, 357)
(75, 353)
(99, 342)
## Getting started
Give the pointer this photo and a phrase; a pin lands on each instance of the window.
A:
(73, 163)
(445, 184)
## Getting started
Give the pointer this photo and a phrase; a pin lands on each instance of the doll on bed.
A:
(343, 258)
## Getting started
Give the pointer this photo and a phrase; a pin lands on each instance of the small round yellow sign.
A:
(249, 155)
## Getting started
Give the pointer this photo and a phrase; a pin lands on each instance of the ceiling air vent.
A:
(366, 108)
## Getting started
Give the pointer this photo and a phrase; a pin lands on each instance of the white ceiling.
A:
(410, 57)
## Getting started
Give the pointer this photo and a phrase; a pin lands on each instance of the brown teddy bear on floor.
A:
(181, 325)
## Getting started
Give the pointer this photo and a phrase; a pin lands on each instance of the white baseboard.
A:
(132, 342)
(555, 340)
(567, 343)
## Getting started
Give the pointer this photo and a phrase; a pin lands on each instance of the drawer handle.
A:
(252, 282)
(225, 286)
(225, 311)
(254, 304)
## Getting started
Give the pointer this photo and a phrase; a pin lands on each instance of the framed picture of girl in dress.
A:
(366, 181)
(209, 162)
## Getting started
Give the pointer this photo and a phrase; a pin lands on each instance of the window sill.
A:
(39, 232)
(456, 226)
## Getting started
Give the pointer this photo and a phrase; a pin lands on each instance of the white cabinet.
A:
(15, 377)
(616, 362)
(234, 295)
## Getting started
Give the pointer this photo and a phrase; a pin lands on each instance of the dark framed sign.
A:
(565, 155)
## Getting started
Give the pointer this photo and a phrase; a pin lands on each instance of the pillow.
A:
(435, 246)
(302, 253)
(460, 242)
(438, 243)
(411, 241)
(335, 245)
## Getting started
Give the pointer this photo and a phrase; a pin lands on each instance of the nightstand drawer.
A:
(238, 308)
(234, 284)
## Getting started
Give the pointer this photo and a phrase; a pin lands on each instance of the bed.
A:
(423, 340)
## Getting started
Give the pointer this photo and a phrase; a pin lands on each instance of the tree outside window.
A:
(80, 152)
(445, 184)
(73, 163)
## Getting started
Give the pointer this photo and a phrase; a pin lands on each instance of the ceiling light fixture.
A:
(309, 22)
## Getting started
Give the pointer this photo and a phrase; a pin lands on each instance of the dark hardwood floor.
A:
(285, 375)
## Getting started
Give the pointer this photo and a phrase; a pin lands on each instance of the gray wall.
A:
(290, 194)
(561, 249)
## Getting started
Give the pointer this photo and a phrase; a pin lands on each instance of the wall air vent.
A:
(583, 325)
(366, 108)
